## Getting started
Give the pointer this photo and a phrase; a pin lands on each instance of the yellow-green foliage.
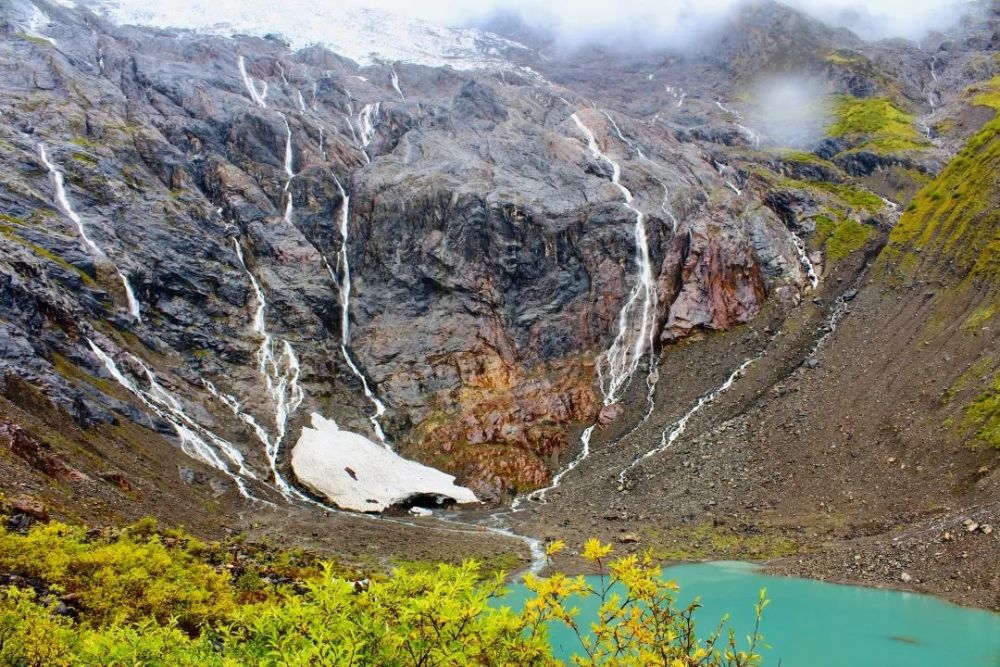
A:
(123, 578)
(853, 196)
(841, 237)
(987, 94)
(877, 122)
(446, 616)
(979, 317)
(983, 415)
(844, 58)
(706, 540)
(953, 223)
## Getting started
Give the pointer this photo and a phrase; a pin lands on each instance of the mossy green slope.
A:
(952, 227)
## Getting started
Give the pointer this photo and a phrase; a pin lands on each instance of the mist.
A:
(644, 23)
(789, 111)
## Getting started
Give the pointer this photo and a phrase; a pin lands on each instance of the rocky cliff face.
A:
(246, 233)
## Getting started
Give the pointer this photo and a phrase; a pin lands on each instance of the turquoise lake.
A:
(815, 624)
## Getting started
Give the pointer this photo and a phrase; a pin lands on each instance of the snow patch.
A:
(364, 35)
(357, 474)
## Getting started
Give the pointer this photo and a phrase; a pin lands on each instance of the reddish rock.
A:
(30, 507)
(609, 413)
(38, 454)
(118, 479)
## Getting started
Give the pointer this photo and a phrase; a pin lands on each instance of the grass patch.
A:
(876, 123)
(708, 541)
(979, 317)
(986, 94)
(954, 223)
(842, 237)
(983, 415)
(35, 39)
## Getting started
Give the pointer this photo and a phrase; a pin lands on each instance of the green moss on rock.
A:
(876, 124)
(841, 237)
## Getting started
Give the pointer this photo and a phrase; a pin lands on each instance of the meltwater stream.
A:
(281, 379)
(676, 430)
(636, 322)
(343, 282)
(248, 82)
(63, 201)
(196, 441)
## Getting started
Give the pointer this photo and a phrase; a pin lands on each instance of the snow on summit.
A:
(364, 35)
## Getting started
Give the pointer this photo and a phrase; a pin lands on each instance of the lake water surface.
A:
(815, 624)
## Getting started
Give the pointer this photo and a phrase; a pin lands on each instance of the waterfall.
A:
(367, 122)
(281, 377)
(195, 439)
(289, 173)
(636, 320)
(804, 260)
(233, 404)
(636, 323)
(302, 102)
(395, 84)
(67, 210)
(670, 435)
(752, 135)
(665, 203)
(257, 97)
(343, 282)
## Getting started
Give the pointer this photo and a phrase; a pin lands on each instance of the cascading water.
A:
(636, 322)
(652, 377)
(343, 282)
(63, 202)
(752, 135)
(367, 121)
(257, 97)
(289, 206)
(191, 434)
(800, 247)
(281, 376)
(395, 84)
(233, 404)
(670, 435)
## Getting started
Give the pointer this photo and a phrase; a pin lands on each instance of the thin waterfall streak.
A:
(281, 379)
(167, 407)
(289, 172)
(624, 354)
(665, 203)
(622, 357)
(62, 201)
(804, 260)
(677, 429)
(133, 302)
(251, 87)
(343, 282)
(395, 84)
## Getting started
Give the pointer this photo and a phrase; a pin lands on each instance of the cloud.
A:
(672, 21)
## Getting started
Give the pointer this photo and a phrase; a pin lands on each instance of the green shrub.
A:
(444, 617)
(121, 578)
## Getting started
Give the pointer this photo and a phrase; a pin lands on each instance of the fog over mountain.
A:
(676, 21)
